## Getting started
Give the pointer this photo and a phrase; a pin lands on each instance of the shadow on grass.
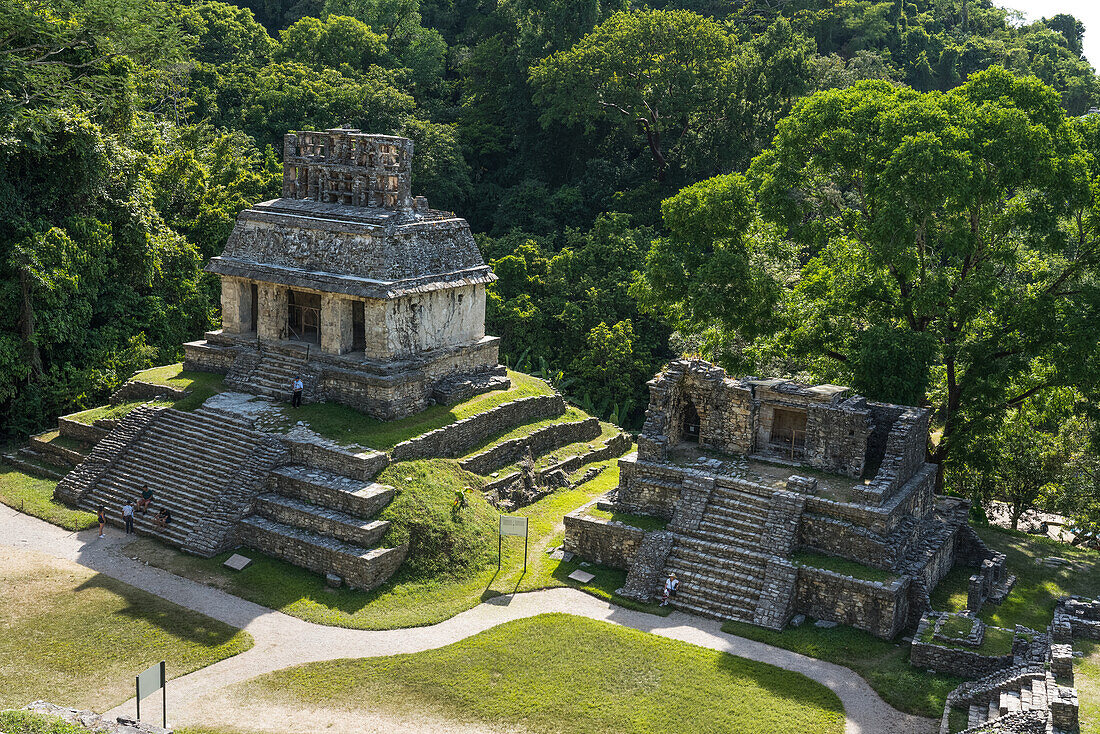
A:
(177, 621)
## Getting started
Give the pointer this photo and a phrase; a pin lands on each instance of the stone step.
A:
(738, 534)
(190, 498)
(231, 440)
(739, 516)
(322, 520)
(722, 550)
(1039, 694)
(703, 611)
(324, 488)
(189, 458)
(359, 567)
(65, 457)
(179, 467)
(715, 596)
(975, 716)
(993, 711)
(727, 580)
(1009, 702)
(743, 504)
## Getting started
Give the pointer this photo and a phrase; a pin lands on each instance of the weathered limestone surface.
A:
(540, 442)
(604, 541)
(459, 437)
(386, 296)
(93, 722)
(734, 525)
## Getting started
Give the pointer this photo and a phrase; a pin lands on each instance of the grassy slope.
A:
(883, 664)
(557, 673)
(1038, 587)
(76, 637)
(1086, 676)
(842, 566)
(346, 425)
(643, 522)
(34, 496)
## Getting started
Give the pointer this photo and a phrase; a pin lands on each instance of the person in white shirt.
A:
(298, 386)
(671, 584)
(128, 516)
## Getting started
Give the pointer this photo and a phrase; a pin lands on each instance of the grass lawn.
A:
(34, 496)
(111, 412)
(883, 664)
(409, 600)
(996, 641)
(77, 638)
(555, 673)
(1086, 676)
(841, 566)
(347, 425)
(1031, 602)
(203, 385)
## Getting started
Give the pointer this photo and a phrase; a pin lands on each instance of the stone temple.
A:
(348, 280)
(374, 300)
(782, 499)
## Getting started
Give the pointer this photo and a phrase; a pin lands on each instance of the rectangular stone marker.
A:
(237, 562)
(583, 576)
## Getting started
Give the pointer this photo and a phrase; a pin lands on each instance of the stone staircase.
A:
(1017, 697)
(321, 520)
(187, 459)
(720, 571)
(273, 373)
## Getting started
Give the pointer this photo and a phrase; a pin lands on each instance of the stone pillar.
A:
(271, 320)
(336, 324)
(236, 305)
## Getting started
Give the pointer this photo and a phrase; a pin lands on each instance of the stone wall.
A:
(540, 442)
(648, 488)
(306, 447)
(458, 438)
(326, 555)
(647, 572)
(775, 605)
(611, 448)
(602, 541)
(80, 431)
(904, 455)
(877, 607)
(140, 390)
(952, 660)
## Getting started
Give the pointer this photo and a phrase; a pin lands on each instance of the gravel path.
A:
(282, 640)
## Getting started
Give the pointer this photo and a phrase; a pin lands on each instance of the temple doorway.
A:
(690, 430)
(303, 317)
(788, 434)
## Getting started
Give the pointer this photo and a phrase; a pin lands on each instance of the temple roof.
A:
(347, 224)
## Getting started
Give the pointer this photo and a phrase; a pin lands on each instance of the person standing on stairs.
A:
(128, 516)
(298, 386)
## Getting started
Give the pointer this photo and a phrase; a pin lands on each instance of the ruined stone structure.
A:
(759, 479)
(350, 282)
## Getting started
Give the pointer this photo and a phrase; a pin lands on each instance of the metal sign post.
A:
(512, 526)
(147, 682)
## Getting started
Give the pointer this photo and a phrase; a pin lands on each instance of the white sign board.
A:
(150, 681)
(513, 526)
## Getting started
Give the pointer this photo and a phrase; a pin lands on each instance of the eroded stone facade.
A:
(762, 481)
(351, 283)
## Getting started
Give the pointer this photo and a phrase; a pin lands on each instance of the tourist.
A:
(163, 518)
(146, 499)
(102, 518)
(128, 516)
(671, 585)
(298, 387)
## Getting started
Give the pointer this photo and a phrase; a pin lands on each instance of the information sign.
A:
(148, 682)
(516, 526)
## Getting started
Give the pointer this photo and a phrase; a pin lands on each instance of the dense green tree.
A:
(663, 75)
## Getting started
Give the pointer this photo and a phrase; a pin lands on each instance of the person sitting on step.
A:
(671, 585)
(163, 518)
(146, 499)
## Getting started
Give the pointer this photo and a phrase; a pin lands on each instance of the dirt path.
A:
(282, 641)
